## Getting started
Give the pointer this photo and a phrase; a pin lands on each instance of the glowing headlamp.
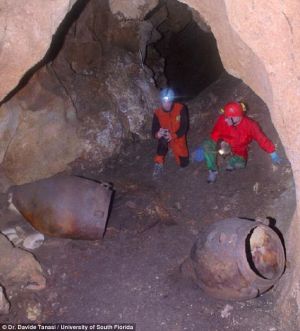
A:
(167, 95)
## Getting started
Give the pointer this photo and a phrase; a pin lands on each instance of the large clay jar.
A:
(64, 206)
(237, 259)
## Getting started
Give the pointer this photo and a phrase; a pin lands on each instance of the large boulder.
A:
(45, 139)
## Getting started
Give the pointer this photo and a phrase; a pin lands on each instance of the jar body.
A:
(237, 259)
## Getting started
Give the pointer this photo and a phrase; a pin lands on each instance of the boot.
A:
(212, 176)
(157, 170)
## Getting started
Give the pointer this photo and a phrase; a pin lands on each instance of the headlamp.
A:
(167, 95)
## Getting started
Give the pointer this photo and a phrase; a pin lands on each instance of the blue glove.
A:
(198, 154)
(275, 158)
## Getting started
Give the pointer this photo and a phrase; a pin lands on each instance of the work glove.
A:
(275, 158)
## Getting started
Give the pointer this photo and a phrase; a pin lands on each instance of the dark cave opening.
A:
(189, 57)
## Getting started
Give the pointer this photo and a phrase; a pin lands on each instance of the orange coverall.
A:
(176, 121)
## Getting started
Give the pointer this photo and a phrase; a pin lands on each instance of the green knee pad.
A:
(210, 154)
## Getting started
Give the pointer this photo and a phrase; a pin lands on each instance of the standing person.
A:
(169, 127)
(237, 130)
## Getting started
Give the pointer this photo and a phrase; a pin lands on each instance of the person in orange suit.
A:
(169, 127)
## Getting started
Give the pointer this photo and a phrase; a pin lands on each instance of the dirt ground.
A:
(132, 275)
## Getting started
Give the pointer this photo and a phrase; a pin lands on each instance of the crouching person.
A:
(237, 131)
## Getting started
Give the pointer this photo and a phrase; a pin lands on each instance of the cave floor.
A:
(132, 275)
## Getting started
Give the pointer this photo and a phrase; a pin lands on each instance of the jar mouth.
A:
(264, 253)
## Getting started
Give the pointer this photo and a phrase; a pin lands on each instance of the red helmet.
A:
(232, 109)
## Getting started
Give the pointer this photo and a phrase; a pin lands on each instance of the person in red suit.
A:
(169, 127)
(237, 130)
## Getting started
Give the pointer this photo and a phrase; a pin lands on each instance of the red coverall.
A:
(176, 121)
(240, 136)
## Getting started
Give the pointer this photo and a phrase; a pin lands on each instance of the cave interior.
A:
(111, 70)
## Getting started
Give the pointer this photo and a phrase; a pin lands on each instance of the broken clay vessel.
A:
(236, 259)
(64, 206)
